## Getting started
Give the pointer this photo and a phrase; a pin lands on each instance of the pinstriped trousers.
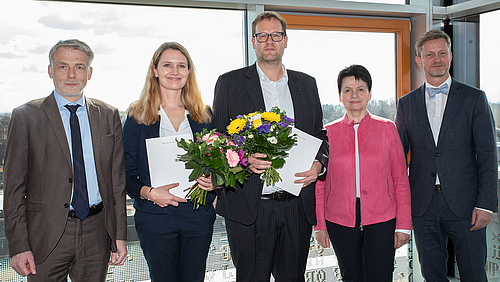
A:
(276, 243)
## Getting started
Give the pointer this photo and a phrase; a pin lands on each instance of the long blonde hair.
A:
(145, 110)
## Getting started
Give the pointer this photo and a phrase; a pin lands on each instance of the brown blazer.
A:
(38, 175)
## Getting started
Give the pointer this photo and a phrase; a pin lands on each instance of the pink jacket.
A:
(385, 190)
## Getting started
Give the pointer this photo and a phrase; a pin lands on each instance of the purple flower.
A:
(264, 128)
(239, 116)
(238, 140)
(287, 119)
(283, 124)
(243, 160)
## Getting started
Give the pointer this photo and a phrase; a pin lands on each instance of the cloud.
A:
(11, 55)
(56, 22)
(34, 68)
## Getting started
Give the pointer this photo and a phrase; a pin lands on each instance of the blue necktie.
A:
(441, 89)
(80, 200)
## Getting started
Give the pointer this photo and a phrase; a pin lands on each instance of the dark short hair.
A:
(269, 15)
(359, 72)
(428, 36)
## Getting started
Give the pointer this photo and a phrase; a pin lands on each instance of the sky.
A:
(125, 37)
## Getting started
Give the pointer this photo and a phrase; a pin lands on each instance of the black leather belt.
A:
(279, 196)
(93, 210)
(437, 188)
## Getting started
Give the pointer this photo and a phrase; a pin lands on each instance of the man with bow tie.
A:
(448, 126)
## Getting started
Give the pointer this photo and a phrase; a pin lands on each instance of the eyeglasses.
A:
(275, 36)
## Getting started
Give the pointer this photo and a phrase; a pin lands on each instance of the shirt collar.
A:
(448, 81)
(351, 122)
(263, 76)
(61, 101)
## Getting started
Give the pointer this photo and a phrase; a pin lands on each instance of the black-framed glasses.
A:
(275, 36)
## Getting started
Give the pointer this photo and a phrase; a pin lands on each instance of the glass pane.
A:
(324, 53)
(489, 62)
(124, 39)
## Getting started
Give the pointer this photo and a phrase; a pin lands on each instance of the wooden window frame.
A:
(400, 27)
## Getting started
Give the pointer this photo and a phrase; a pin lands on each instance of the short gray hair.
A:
(73, 44)
(428, 36)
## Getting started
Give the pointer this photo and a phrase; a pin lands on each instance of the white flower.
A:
(250, 136)
(257, 116)
(272, 140)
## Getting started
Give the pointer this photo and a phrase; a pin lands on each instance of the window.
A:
(322, 46)
(123, 38)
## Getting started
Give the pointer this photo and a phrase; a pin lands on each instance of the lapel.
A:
(299, 104)
(54, 117)
(94, 116)
(451, 105)
(422, 114)
(254, 90)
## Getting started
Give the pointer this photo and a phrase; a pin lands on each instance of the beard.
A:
(438, 73)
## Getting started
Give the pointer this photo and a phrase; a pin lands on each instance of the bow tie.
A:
(441, 89)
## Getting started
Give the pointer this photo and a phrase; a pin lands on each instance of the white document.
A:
(164, 168)
(301, 157)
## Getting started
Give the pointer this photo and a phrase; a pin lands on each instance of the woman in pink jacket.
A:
(363, 206)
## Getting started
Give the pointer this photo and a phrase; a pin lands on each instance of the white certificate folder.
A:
(164, 168)
(301, 157)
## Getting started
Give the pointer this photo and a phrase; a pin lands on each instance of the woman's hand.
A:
(400, 239)
(323, 238)
(205, 183)
(257, 165)
(161, 195)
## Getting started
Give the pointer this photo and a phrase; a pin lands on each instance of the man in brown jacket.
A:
(64, 204)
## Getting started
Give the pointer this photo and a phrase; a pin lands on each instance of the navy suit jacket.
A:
(239, 92)
(465, 157)
(136, 160)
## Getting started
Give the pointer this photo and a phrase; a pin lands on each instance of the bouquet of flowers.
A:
(268, 133)
(212, 154)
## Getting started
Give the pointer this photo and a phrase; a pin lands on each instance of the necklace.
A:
(174, 108)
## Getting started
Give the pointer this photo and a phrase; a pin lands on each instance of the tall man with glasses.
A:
(449, 128)
(268, 228)
(64, 195)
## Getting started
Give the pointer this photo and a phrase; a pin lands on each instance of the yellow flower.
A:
(257, 123)
(236, 126)
(270, 116)
(252, 114)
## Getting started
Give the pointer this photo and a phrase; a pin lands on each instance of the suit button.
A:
(437, 154)
(66, 205)
(70, 180)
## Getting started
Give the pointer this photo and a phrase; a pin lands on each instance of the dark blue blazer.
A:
(136, 160)
(239, 92)
(465, 157)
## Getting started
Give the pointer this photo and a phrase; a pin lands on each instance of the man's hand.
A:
(205, 183)
(400, 239)
(257, 165)
(480, 219)
(309, 176)
(23, 263)
(118, 258)
(323, 238)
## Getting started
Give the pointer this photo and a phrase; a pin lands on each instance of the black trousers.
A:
(276, 243)
(364, 254)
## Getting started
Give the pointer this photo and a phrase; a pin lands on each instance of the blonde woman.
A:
(174, 237)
